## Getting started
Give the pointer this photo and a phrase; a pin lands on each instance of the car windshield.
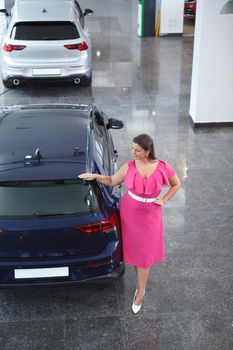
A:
(44, 31)
(47, 198)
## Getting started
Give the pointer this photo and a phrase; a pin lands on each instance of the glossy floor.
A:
(188, 303)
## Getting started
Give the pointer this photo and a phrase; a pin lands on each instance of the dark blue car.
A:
(54, 227)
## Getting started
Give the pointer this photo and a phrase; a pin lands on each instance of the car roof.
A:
(60, 132)
(43, 10)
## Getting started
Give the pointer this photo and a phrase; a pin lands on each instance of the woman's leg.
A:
(142, 278)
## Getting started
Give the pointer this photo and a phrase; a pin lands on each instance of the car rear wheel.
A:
(8, 83)
(86, 81)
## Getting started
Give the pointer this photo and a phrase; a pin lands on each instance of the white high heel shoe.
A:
(136, 308)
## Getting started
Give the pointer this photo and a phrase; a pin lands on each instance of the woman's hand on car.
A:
(87, 176)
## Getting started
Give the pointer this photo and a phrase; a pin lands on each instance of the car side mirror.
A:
(5, 12)
(88, 12)
(115, 124)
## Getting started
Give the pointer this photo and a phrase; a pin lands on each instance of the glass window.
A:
(80, 13)
(102, 148)
(47, 198)
(44, 31)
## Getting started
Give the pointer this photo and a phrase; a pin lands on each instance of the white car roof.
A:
(43, 10)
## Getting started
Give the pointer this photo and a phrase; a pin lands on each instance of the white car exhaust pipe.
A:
(77, 81)
(16, 82)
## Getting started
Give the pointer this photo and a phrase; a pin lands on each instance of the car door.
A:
(101, 143)
(105, 152)
(113, 154)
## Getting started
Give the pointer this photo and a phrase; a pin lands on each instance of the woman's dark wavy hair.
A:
(146, 142)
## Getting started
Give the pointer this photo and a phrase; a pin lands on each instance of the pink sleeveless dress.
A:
(142, 227)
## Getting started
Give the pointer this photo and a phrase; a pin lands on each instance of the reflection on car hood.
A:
(41, 171)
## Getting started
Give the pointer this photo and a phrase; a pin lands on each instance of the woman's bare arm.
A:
(174, 187)
(114, 180)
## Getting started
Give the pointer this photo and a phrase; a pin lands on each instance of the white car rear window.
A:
(44, 31)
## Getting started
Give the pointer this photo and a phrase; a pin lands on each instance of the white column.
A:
(212, 75)
(172, 16)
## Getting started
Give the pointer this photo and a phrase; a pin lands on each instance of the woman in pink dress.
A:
(141, 209)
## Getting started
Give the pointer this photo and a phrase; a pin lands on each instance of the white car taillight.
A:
(9, 47)
(81, 46)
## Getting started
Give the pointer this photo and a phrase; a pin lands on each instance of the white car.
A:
(46, 40)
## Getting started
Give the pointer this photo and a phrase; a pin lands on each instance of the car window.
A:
(44, 31)
(80, 13)
(47, 198)
(101, 147)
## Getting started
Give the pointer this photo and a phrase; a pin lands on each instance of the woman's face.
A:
(138, 152)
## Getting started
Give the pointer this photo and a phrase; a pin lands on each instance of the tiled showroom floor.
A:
(189, 300)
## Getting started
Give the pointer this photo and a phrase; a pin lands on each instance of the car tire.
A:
(8, 83)
(86, 81)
